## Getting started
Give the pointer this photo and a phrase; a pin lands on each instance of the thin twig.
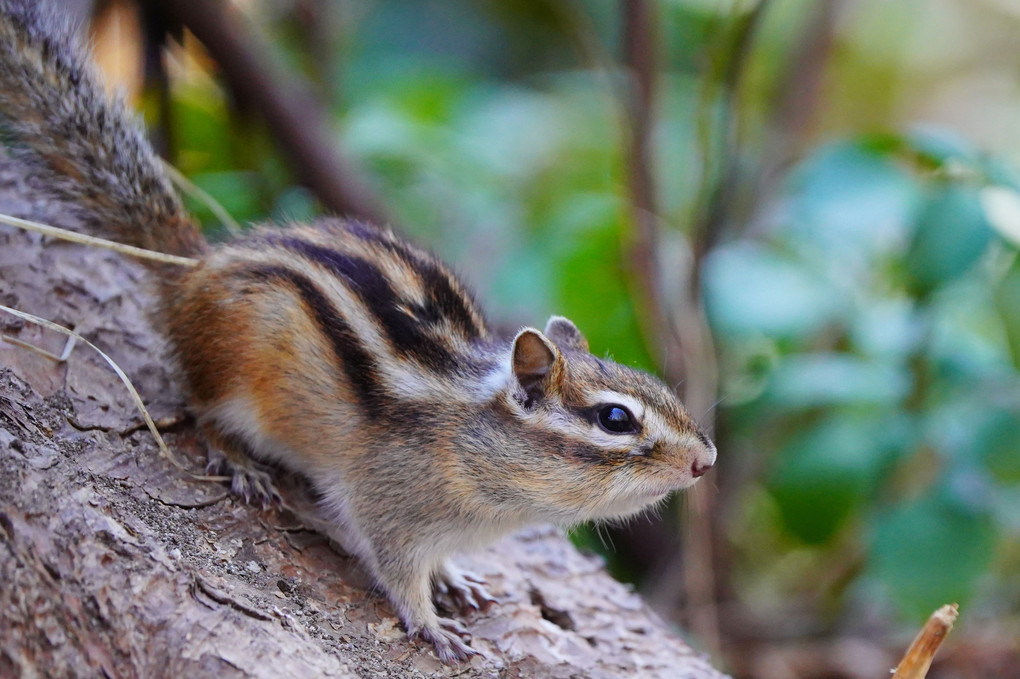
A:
(681, 330)
(76, 237)
(120, 373)
(225, 599)
(795, 106)
(189, 187)
(719, 178)
(720, 161)
(581, 31)
(639, 46)
(116, 368)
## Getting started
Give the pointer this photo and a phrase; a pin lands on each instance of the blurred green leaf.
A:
(969, 429)
(1007, 302)
(533, 130)
(1005, 505)
(931, 552)
(848, 199)
(887, 329)
(750, 289)
(966, 339)
(593, 292)
(296, 204)
(380, 128)
(1002, 210)
(950, 234)
(204, 133)
(939, 145)
(235, 191)
(1001, 172)
(999, 445)
(809, 380)
(826, 472)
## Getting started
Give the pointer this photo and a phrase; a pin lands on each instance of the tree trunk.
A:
(115, 563)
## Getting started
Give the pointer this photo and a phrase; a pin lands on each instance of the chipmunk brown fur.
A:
(346, 354)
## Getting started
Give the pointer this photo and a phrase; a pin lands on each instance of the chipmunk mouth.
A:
(661, 490)
(676, 484)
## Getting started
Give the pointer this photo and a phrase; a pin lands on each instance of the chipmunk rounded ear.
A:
(533, 360)
(565, 334)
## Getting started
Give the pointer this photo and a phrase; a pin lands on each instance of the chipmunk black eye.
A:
(616, 420)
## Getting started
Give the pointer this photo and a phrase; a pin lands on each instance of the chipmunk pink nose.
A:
(698, 470)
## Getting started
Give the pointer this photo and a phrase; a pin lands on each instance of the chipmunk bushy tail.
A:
(86, 147)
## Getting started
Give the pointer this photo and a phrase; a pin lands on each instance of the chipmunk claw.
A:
(449, 641)
(256, 487)
(466, 591)
(248, 482)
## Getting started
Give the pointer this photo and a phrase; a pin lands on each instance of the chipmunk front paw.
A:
(247, 481)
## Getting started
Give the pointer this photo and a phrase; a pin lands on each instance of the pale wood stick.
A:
(918, 657)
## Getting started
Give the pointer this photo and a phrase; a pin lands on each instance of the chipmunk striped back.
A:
(397, 322)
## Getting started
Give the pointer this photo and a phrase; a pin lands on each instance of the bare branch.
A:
(720, 159)
(639, 55)
(292, 114)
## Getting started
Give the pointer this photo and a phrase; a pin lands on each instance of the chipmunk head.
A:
(608, 440)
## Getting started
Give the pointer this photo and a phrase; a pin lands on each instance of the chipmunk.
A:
(343, 353)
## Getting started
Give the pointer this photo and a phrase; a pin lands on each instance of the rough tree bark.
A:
(114, 563)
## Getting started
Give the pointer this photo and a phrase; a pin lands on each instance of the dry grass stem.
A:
(75, 237)
(58, 358)
(918, 657)
(189, 187)
(75, 337)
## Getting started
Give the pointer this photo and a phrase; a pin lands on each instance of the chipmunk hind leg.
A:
(404, 573)
(409, 587)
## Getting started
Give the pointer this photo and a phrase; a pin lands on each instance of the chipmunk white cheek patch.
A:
(495, 380)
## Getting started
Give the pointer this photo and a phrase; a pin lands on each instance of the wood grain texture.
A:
(113, 562)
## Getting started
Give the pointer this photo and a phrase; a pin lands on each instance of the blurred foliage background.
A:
(831, 188)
